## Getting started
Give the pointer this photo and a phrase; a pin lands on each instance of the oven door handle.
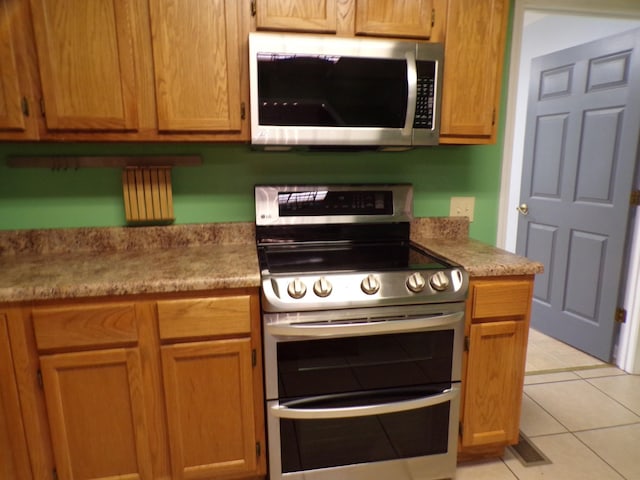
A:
(282, 411)
(364, 328)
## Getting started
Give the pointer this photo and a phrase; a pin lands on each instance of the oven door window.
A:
(314, 443)
(353, 364)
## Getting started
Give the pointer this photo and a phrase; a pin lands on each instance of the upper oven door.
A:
(314, 354)
(319, 90)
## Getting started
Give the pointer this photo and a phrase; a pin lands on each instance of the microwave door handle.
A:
(370, 328)
(282, 411)
(412, 93)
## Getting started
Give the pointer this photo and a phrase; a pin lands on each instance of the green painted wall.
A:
(221, 190)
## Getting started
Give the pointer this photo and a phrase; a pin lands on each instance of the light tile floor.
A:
(583, 414)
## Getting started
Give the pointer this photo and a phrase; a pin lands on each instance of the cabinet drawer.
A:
(204, 317)
(501, 299)
(85, 326)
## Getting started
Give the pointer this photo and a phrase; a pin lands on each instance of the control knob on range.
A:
(370, 285)
(439, 281)
(416, 282)
(296, 288)
(322, 287)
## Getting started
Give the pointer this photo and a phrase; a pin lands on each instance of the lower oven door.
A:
(374, 435)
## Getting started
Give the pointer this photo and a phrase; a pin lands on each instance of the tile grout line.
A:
(574, 432)
(596, 453)
(533, 373)
(615, 400)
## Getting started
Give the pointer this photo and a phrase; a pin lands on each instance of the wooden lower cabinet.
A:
(201, 406)
(146, 388)
(14, 461)
(209, 358)
(497, 326)
(95, 403)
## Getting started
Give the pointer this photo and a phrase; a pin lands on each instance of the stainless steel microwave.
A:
(334, 91)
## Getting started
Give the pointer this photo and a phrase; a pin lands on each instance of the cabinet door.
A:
(393, 18)
(96, 413)
(17, 120)
(209, 396)
(14, 460)
(197, 57)
(297, 15)
(86, 60)
(474, 52)
(493, 391)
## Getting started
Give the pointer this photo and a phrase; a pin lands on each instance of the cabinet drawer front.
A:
(85, 326)
(204, 317)
(501, 299)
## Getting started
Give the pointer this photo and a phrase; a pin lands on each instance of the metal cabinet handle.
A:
(523, 208)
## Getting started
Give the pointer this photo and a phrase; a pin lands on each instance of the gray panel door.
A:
(580, 152)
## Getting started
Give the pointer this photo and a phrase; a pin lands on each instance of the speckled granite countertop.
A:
(73, 263)
(90, 262)
(449, 238)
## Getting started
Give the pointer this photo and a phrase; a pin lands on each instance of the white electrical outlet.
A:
(462, 207)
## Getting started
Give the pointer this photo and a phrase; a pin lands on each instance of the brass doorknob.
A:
(523, 208)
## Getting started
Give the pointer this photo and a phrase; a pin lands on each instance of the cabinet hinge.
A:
(253, 8)
(42, 109)
(467, 342)
(25, 106)
(258, 449)
(243, 111)
(433, 17)
(621, 315)
(254, 357)
(493, 117)
(54, 474)
(39, 378)
(635, 198)
(460, 428)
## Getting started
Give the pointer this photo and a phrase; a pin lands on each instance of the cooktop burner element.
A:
(346, 246)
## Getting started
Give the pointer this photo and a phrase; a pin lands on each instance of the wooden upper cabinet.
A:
(419, 19)
(86, 62)
(474, 55)
(197, 52)
(395, 18)
(297, 15)
(17, 119)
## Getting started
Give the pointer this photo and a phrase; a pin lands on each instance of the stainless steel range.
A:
(363, 334)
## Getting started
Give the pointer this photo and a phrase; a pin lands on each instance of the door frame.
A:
(627, 354)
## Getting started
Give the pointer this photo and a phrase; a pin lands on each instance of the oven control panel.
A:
(362, 289)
